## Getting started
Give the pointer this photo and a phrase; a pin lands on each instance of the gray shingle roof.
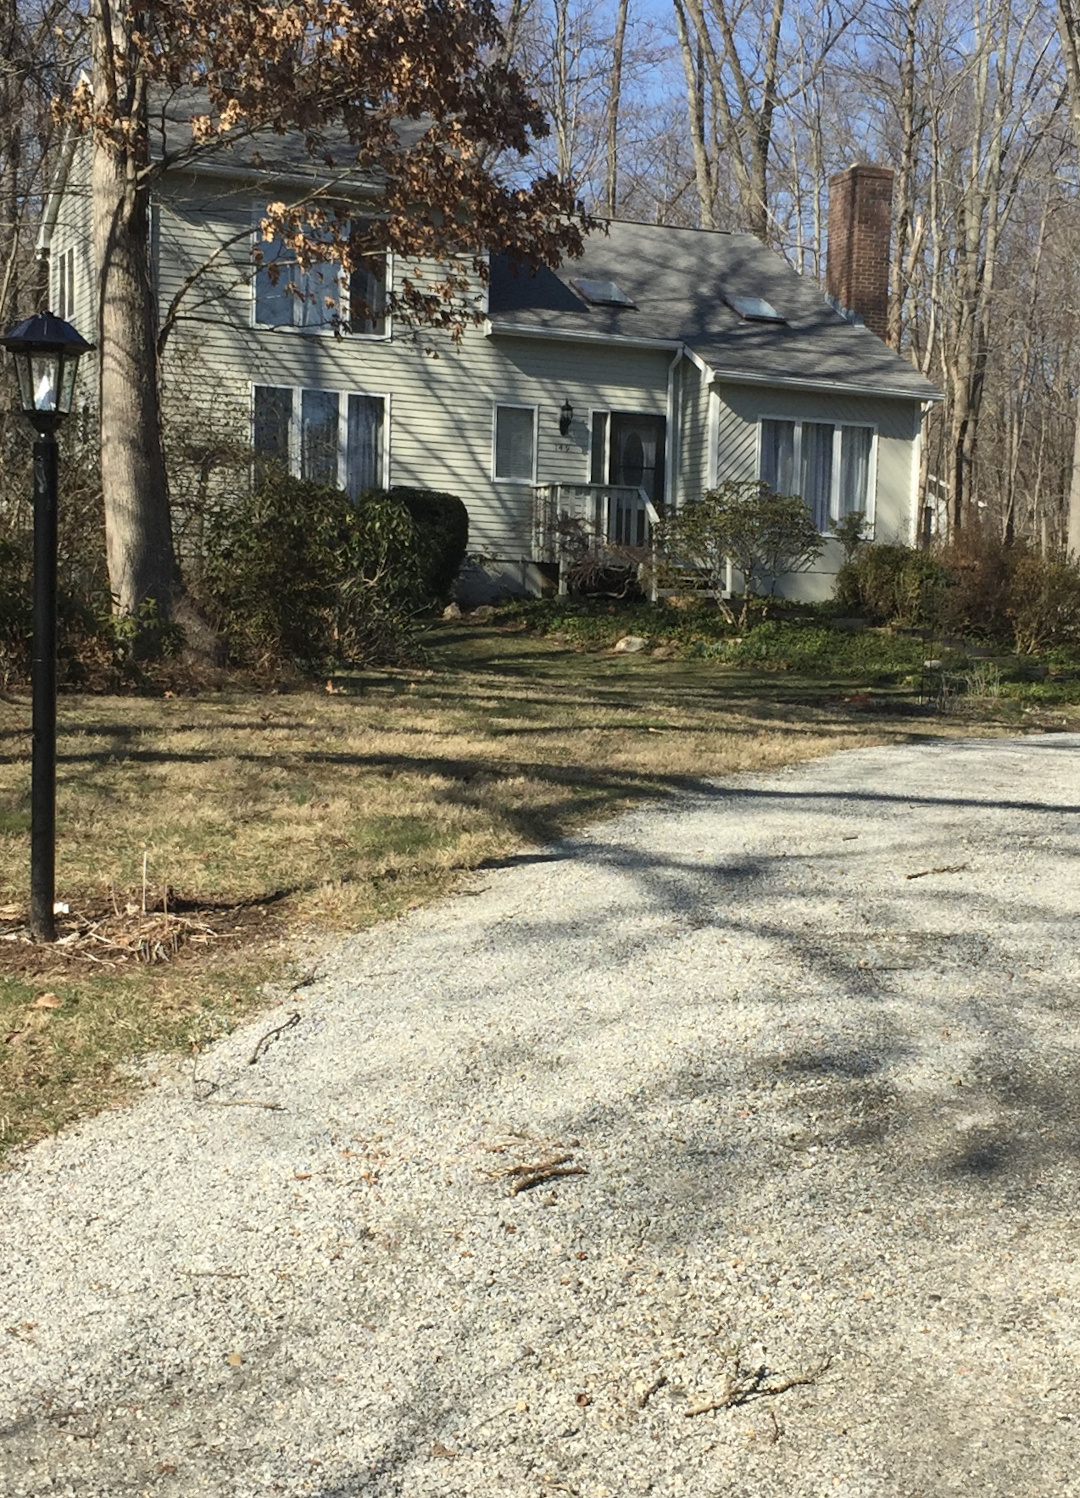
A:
(678, 279)
(265, 152)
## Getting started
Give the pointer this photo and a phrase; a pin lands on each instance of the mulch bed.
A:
(126, 931)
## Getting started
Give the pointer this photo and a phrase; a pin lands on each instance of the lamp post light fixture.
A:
(566, 418)
(46, 351)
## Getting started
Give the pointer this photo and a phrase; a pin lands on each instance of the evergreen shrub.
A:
(296, 572)
(442, 537)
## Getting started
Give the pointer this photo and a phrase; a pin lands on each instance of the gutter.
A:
(837, 387)
(193, 167)
(522, 330)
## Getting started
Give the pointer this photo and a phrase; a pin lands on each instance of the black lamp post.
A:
(46, 351)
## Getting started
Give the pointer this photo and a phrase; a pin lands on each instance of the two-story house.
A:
(663, 361)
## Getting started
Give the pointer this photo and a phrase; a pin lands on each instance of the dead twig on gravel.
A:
(243, 1102)
(746, 1384)
(293, 1019)
(525, 1177)
(945, 868)
(654, 1388)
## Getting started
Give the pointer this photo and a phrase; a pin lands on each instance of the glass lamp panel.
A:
(44, 382)
(69, 369)
(26, 383)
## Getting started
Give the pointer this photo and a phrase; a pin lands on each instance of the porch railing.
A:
(610, 514)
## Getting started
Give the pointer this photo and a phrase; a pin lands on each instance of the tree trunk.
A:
(138, 531)
(695, 89)
(611, 175)
(1072, 534)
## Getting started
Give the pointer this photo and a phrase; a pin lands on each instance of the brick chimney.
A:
(860, 231)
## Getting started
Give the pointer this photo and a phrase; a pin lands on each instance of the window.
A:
(63, 301)
(753, 309)
(326, 435)
(322, 296)
(827, 464)
(602, 293)
(515, 442)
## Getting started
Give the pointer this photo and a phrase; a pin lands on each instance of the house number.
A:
(566, 447)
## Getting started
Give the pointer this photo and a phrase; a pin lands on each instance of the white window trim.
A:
(496, 407)
(594, 412)
(321, 330)
(838, 426)
(295, 419)
(62, 291)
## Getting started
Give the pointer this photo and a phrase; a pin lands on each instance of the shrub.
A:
(980, 568)
(764, 534)
(1043, 604)
(442, 537)
(295, 571)
(894, 584)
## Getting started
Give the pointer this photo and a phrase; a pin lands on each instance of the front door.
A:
(637, 462)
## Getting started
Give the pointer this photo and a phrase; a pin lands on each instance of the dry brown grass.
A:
(270, 815)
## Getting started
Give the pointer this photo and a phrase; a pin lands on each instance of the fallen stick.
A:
(293, 1019)
(654, 1388)
(742, 1390)
(543, 1174)
(945, 868)
(243, 1102)
(528, 1170)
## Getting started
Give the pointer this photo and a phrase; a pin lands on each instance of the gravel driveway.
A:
(811, 1040)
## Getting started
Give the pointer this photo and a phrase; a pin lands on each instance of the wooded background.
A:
(732, 114)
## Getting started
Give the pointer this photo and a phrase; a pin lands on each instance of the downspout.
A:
(43, 249)
(670, 467)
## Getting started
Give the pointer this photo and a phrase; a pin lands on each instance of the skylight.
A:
(753, 309)
(603, 293)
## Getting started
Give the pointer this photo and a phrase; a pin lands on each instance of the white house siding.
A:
(440, 396)
(896, 423)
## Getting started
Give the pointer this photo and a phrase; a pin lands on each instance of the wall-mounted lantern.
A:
(566, 419)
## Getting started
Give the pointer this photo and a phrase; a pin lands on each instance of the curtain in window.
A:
(273, 413)
(319, 436)
(367, 297)
(778, 456)
(854, 469)
(817, 466)
(513, 443)
(364, 444)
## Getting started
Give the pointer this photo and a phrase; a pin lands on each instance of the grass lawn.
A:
(200, 836)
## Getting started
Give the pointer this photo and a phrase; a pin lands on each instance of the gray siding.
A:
(440, 396)
(896, 423)
(73, 232)
(693, 450)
